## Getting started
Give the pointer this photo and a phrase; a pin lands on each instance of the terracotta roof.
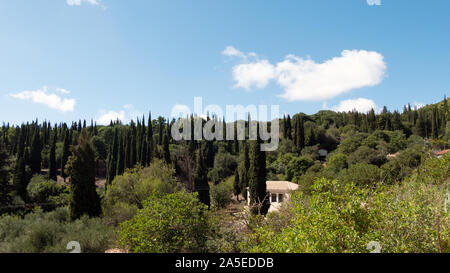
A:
(281, 186)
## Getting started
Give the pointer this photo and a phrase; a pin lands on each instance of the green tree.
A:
(112, 158)
(5, 187)
(166, 148)
(257, 179)
(35, 153)
(81, 167)
(52, 169)
(236, 185)
(65, 154)
(201, 185)
(121, 157)
(243, 169)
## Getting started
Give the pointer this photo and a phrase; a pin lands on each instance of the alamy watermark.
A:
(213, 129)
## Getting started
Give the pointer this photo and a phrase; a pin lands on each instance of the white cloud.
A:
(361, 105)
(53, 101)
(374, 2)
(233, 52)
(130, 113)
(63, 91)
(306, 80)
(107, 116)
(257, 73)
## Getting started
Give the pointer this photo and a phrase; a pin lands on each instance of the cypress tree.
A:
(52, 169)
(5, 187)
(112, 158)
(166, 149)
(236, 185)
(35, 153)
(257, 179)
(420, 127)
(243, 169)
(133, 154)
(201, 185)
(149, 139)
(160, 137)
(65, 154)
(21, 178)
(434, 126)
(120, 157)
(128, 150)
(236, 141)
(81, 167)
(144, 153)
(288, 127)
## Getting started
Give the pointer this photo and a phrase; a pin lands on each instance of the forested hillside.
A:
(385, 178)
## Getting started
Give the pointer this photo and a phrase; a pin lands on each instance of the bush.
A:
(345, 218)
(337, 162)
(367, 155)
(224, 166)
(47, 193)
(220, 195)
(361, 174)
(297, 166)
(41, 232)
(170, 223)
(127, 192)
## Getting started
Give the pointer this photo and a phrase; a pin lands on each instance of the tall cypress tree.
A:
(434, 126)
(166, 149)
(127, 150)
(21, 178)
(288, 127)
(149, 139)
(120, 157)
(133, 154)
(257, 179)
(243, 169)
(112, 158)
(5, 187)
(236, 185)
(83, 199)
(65, 154)
(201, 185)
(35, 152)
(52, 169)
(144, 152)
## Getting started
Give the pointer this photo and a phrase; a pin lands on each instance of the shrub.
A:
(47, 193)
(170, 223)
(49, 232)
(220, 195)
(127, 192)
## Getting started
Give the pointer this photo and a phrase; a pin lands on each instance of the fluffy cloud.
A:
(258, 73)
(361, 105)
(53, 101)
(107, 116)
(125, 115)
(306, 80)
(374, 2)
(233, 52)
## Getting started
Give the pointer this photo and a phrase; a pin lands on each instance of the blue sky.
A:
(62, 60)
